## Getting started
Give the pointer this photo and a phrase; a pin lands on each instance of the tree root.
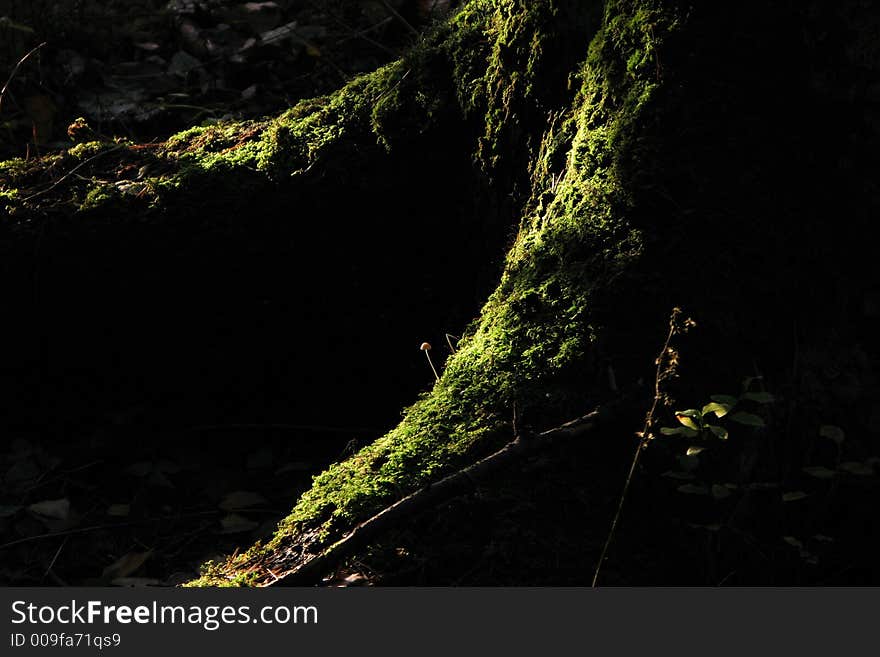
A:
(457, 483)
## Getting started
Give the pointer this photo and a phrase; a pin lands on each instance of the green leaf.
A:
(794, 495)
(689, 463)
(819, 472)
(687, 418)
(724, 399)
(760, 397)
(719, 409)
(749, 419)
(693, 450)
(720, 432)
(693, 489)
(679, 431)
(832, 433)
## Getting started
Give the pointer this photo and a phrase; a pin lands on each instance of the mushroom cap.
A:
(425, 346)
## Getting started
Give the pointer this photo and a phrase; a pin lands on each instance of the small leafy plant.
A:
(700, 423)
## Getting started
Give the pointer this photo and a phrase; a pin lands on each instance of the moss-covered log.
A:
(645, 154)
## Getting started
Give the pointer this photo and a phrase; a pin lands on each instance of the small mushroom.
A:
(426, 347)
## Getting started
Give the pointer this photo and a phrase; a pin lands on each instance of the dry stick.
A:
(72, 171)
(95, 528)
(54, 559)
(454, 484)
(354, 32)
(643, 441)
(15, 70)
(362, 34)
(394, 12)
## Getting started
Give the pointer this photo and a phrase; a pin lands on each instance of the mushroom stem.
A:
(431, 363)
(426, 347)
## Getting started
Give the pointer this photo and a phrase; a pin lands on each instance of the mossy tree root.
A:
(461, 482)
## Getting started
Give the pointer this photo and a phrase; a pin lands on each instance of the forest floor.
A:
(142, 495)
(126, 497)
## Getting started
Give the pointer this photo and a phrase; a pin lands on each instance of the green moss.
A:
(538, 330)
(554, 94)
(88, 149)
(98, 196)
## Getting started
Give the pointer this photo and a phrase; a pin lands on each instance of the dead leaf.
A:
(21, 471)
(234, 524)
(56, 509)
(820, 472)
(263, 458)
(182, 63)
(261, 16)
(792, 541)
(118, 510)
(167, 467)
(135, 582)
(126, 565)
(141, 469)
(683, 476)
(356, 579)
(279, 34)
(7, 511)
(856, 468)
(693, 489)
(241, 499)
(719, 492)
(157, 478)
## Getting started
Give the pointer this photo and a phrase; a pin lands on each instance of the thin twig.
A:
(72, 171)
(313, 566)
(55, 558)
(354, 32)
(15, 70)
(392, 87)
(362, 34)
(406, 23)
(644, 438)
(95, 528)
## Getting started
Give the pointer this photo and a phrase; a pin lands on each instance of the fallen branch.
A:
(455, 484)
(15, 70)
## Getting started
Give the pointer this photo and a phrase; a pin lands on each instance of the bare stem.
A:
(15, 70)
(644, 438)
(431, 363)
